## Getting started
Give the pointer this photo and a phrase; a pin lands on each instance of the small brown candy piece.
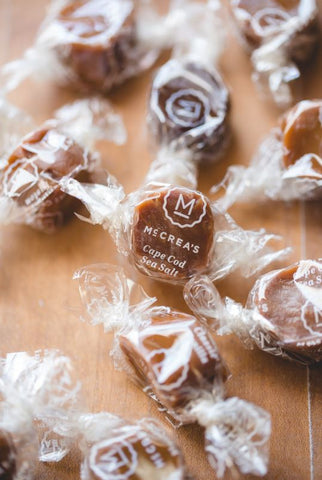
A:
(302, 132)
(133, 453)
(261, 20)
(33, 171)
(172, 233)
(175, 356)
(8, 467)
(188, 109)
(290, 301)
(100, 41)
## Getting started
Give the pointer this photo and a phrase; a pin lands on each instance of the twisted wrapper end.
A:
(237, 435)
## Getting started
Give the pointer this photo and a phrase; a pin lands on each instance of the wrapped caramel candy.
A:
(37, 393)
(174, 359)
(172, 233)
(283, 313)
(91, 45)
(95, 45)
(114, 448)
(189, 102)
(288, 164)
(60, 148)
(282, 36)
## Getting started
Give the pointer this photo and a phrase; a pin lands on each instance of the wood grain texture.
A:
(39, 304)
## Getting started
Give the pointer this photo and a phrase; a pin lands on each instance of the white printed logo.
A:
(163, 371)
(183, 214)
(107, 465)
(268, 20)
(187, 108)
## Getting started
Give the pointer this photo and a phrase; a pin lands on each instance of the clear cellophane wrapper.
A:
(62, 147)
(172, 357)
(267, 177)
(287, 41)
(92, 47)
(38, 402)
(42, 413)
(299, 340)
(95, 45)
(189, 102)
(230, 247)
(112, 447)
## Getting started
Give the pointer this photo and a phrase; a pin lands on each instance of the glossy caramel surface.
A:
(302, 132)
(290, 301)
(172, 234)
(175, 356)
(33, 171)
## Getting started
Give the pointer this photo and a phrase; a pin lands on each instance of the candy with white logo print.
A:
(283, 313)
(60, 148)
(188, 110)
(174, 359)
(287, 165)
(115, 449)
(282, 36)
(172, 233)
(189, 103)
(101, 41)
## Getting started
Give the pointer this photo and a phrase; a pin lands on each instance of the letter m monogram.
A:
(183, 209)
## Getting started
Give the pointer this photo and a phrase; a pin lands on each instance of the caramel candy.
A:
(132, 452)
(172, 233)
(8, 466)
(262, 20)
(188, 109)
(289, 300)
(174, 356)
(33, 171)
(301, 130)
(100, 41)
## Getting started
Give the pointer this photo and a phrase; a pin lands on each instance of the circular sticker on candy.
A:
(172, 233)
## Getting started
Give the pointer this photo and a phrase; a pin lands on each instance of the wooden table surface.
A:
(39, 300)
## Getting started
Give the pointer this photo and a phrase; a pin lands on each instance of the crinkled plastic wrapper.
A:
(92, 45)
(189, 102)
(114, 448)
(288, 164)
(61, 148)
(281, 36)
(188, 110)
(172, 233)
(174, 359)
(283, 313)
(37, 401)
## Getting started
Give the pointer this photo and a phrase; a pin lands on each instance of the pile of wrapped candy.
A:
(166, 230)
